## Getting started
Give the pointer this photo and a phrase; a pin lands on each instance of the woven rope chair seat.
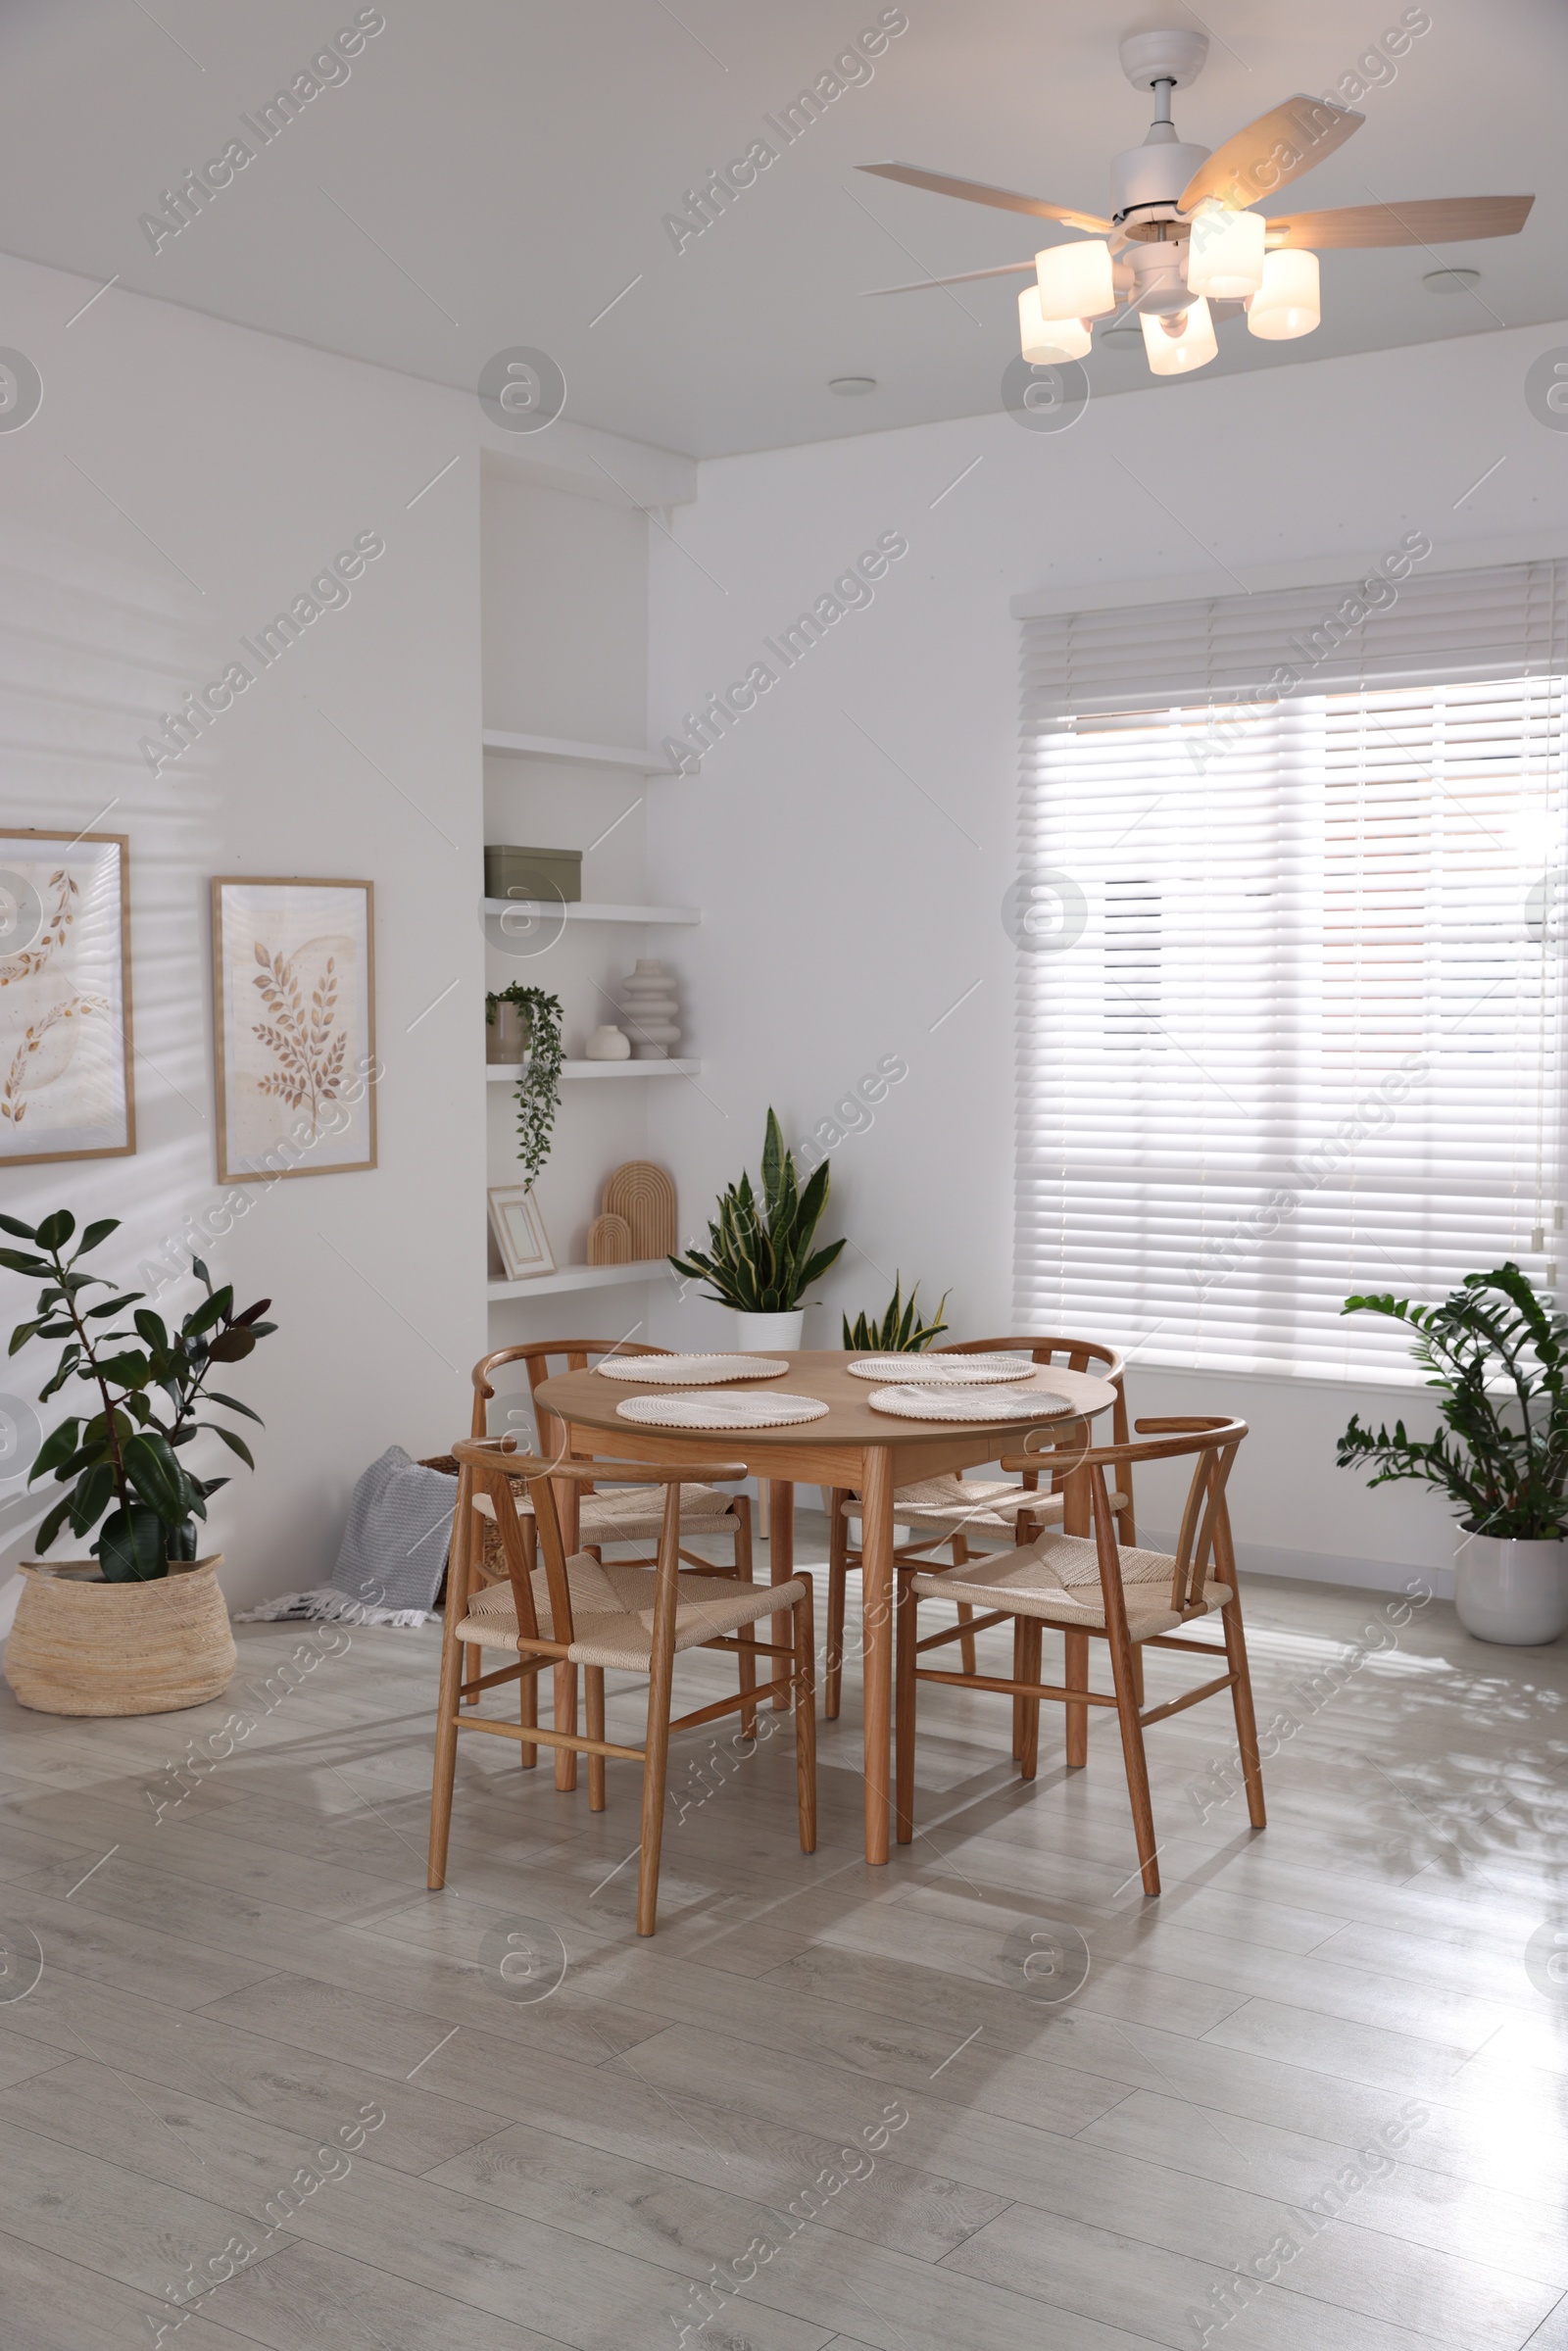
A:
(612, 1612)
(1058, 1579)
(972, 1505)
(626, 1515)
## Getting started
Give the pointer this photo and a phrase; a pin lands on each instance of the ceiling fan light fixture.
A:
(1075, 282)
(1046, 342)
(1225, 254)
(1288, 302)
(1192, 347)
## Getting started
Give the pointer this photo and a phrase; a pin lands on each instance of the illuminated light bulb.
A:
(1048, 341)
(1075, 282)
(1176, 346)
(1287, 302)
(1225, 255)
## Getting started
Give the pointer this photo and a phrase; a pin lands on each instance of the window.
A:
(1293, 888)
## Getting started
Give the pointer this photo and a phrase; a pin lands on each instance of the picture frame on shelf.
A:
(66, 1088)
(293, 1027)
(520, 1231)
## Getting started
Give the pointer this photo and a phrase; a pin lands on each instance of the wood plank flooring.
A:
(269, 2091)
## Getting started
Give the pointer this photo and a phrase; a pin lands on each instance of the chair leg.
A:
(1028, 1654)
(804, 1636)
(1241, 1700)
(656, 1770)
(1131, 1747)
(1017, 1675)
(1138, 1675)
(1075, 1647)
(453, 1654)
(780, 1557)
(528, 1704)
(904, 1697)
(966, 1649)
(742, 1507)
(592, 1677)
(838, 1547)
(567, 1720)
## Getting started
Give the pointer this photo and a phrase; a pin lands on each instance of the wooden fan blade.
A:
(965, 277)
(1430, 220)
(1271, 152)
(975, 191)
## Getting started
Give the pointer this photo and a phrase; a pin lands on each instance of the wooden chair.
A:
(1100, 1590)
(960, 1511)
(590, 1520)
(620, 1618)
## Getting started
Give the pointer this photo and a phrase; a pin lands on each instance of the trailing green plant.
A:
(1496, 1355)
(123, 1459)
(539, 1084)
(900, 1331)
(762, 1259)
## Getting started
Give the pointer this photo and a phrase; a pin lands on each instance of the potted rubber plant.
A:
(141, 1626)
(1496, 1355)
(901, 1331)
(761, 1261)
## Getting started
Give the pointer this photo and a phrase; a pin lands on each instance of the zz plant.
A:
(539, 1084)
(761, 1259)
(1496, 1355)
(899, 1331)
(124, 1458)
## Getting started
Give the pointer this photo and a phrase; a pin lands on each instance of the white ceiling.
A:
(507, 168)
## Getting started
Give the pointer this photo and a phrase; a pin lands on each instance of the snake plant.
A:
(760, 1259)
(900, 1331)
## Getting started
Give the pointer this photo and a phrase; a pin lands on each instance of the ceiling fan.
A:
(1183, 247)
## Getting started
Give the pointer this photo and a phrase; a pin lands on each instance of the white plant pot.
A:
(1515, 1593)
(765, 1334)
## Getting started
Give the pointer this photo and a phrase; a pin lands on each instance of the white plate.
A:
(996, 1403)
(689, 1371)
(942, 1371)
(720, 1408)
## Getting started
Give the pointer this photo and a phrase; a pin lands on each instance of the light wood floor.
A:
(246, 1979)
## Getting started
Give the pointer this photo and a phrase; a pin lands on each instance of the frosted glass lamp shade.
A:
(1047, 341)
(1225, 255)
(1075, 280)
(1180, 355)
(1287, 302)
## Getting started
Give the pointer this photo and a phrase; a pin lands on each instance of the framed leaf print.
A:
(64, 998)
(294, 1027)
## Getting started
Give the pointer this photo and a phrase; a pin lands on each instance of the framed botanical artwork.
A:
(520, 1232)
(294, 1027)
(64, 998)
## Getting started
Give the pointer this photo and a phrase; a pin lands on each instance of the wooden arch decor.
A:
(645, 1196)
(609, 1242)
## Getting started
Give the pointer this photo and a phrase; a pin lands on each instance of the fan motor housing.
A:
(1147, 180)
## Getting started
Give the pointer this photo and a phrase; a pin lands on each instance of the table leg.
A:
(780, 1564)
(876, 1599)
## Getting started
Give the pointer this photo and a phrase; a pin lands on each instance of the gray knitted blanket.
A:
(393, 1553)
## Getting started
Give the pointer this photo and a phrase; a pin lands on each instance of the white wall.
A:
(851, 840)
(182, 481)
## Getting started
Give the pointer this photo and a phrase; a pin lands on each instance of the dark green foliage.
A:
(539, 1086)
(124, 1458)
(900, 1331)
(762, 1259)
(1497, 1355)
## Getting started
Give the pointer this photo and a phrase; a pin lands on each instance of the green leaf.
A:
(210, 1312)
(201, 1273)
(56, 1230)
(14, 1262)
(252, 1313)
(70, 1356)
(24, 1332)
(234, 1405)
(153, 1329)
(93, 1235)
(155, 1475)
(132, 1546)
(231, 1346)
(14, 1224)
(50, 1525)
(126, 1371)
(94, 1491)
(235, 1445)
(59, 1445)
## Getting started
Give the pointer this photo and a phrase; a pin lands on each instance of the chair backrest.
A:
(1077, 1355)
(1206, 1527)
(574, 1354)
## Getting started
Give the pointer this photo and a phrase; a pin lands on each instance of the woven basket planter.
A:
(82, 1646)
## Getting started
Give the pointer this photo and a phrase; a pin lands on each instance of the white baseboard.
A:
(1327, 1567)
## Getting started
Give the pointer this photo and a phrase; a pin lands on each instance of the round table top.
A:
(583, 1397)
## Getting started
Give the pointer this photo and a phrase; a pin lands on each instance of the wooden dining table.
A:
(871, 1452)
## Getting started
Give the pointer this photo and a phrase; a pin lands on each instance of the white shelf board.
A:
(581, 755)
(500, 1073)
(577, 910)
(580, 1277)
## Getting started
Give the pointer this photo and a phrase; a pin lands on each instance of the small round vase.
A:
(608, 1044)
(765, 1333)
(1514, 1594)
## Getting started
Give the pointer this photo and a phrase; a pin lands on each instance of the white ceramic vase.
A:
(769, 1334)
(608, 1043)
(649, 1005)
(1515, 1593)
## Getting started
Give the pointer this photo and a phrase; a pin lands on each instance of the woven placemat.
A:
(720, 1408)
(689, 1371)
(942, 1371)
(994, 1404)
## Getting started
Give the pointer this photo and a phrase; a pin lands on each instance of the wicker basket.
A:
(83, 1646)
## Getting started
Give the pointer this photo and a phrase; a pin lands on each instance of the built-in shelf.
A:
(577, 910)
(580, 1277)
(581, 755)
(502, 1073)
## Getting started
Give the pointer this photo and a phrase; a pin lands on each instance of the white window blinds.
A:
(1292, 917)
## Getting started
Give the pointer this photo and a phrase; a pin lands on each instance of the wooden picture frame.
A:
(520, 1231)
(66, 1047)
(293, 1027)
